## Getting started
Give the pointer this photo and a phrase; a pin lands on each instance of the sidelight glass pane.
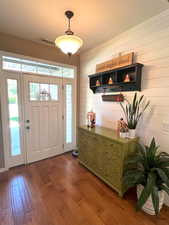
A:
(34, 91)
(54, 92)
(69, 124)
(14, 125)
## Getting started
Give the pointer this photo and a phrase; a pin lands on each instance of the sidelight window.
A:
(14, 120)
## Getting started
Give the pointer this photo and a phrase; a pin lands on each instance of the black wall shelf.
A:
(118, 75)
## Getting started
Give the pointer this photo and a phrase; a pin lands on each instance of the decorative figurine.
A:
(91, 119)
(121, 126)
(110, 81)
(123, 133)
(127, 78)
(97, 83)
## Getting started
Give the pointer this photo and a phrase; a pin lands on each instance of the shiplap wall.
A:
(150, 42)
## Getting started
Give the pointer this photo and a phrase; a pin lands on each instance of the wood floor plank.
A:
(59, 191)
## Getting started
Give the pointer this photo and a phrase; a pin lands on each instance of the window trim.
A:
(38, 60)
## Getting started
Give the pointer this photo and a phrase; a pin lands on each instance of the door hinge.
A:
(63, 146)
(62, 87)
(62, 117)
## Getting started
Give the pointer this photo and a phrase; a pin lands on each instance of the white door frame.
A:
(4, 112)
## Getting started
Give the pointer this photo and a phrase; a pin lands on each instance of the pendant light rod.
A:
(69, 43)
(69, 15)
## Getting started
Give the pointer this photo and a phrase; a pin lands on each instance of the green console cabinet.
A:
(104, 153)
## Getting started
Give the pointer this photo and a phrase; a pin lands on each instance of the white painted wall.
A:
(150, 42)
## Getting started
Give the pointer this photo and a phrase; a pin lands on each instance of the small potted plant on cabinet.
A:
(133, 112)
(148, 169)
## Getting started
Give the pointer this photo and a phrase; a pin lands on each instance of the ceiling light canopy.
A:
(69, 43)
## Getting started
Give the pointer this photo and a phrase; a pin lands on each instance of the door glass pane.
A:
(34, 91)
(14, 125)
(44, 92)
(54, 92)
(69, 113)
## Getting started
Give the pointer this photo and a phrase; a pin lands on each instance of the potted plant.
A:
(148, 169)
(133, 112)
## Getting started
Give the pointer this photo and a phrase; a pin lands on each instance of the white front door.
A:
(43, 117)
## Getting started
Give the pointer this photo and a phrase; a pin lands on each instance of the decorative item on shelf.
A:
(148, 170)
(110, 81)
(127, 78)
(91, 119)
(113, 98)
(97, 83)
(122, 128)
(133, 113)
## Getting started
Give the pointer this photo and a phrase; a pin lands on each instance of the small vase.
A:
(132, 133)
(148, 206)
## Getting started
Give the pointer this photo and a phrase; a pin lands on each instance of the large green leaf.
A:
(146, 191)
(163, 163)
(162, 175)
(135, 159)
(155, 199)
(132, 178)
(166, 171)
(166, 189)
(163, 154)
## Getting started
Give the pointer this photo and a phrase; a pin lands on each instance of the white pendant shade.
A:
(69, 44)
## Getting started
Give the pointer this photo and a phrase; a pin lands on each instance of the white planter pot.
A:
(148, 206)
(132, 133)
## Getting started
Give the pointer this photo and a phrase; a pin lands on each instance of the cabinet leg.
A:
(120, 194)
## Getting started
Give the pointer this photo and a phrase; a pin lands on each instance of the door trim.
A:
(20, 74)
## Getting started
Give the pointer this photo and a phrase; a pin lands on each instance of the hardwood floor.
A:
(58, 191)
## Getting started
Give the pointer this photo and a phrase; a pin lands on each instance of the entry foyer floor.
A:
(58, 191)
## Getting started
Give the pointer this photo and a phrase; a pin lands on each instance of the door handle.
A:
(27, 121)
(27, 127)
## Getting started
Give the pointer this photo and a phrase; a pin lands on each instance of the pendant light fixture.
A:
(69, 43)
